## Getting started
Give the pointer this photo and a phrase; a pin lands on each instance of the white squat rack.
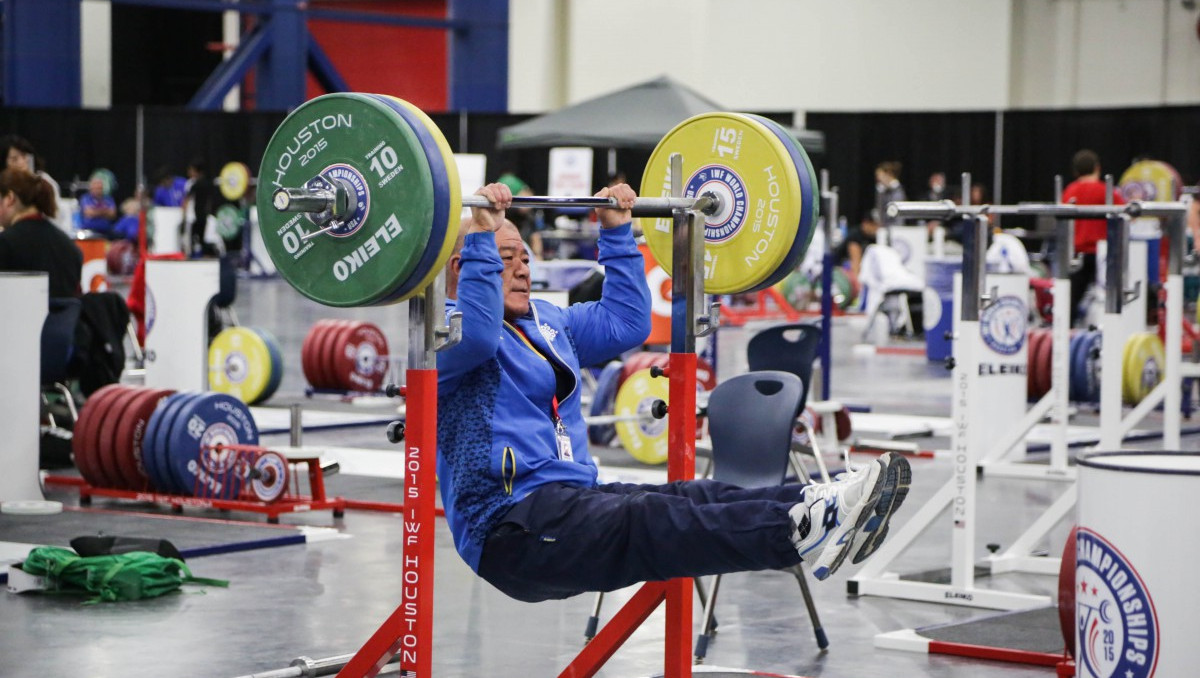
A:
(974, 443)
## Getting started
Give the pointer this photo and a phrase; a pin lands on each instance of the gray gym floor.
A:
(326, 598)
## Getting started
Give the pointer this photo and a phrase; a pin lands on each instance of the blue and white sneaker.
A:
(895, 489)
(831, 514)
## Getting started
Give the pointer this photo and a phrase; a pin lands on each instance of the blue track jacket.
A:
(496, 440)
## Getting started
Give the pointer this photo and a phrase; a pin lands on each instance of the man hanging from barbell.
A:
(519, 488)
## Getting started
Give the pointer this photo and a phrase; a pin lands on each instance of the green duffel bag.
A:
(125, 576)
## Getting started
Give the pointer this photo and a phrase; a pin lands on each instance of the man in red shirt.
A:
(1087, 189)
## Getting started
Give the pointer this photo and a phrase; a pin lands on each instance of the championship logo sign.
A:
(1003, 325)
(349, 177)
(1116, 624)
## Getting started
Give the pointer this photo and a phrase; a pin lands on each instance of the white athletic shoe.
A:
(895, 488)
(829, 517)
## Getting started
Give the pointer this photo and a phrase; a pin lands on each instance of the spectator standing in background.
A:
(887, 189)
(937, 187)
(198, 204)
(1087, 189)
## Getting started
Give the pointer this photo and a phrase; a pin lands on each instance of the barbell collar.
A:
(301, 200)
(316, 201)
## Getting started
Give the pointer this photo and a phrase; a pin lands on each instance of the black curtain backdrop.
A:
(922, 142)
(1037, 145)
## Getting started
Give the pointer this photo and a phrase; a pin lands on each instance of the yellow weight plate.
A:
(1143, 362)
(747, 166)
(1150, 180)
(239, 364)
(233, 181)
(646, 438)
(455, 193)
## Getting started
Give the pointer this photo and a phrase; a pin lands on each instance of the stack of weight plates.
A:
(345, 355)
(110, 435)
(143, 439)
(180, 451)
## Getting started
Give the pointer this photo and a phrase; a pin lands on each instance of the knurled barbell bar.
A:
(334, 205)
(375, 175)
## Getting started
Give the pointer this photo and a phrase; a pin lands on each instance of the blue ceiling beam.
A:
(231, 71)
(478, 59)
(42, 53)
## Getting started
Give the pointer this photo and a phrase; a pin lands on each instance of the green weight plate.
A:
(448, 193)
(797, 290)
(843, 290)
(364, 142)
(229, 221)
(749, 168)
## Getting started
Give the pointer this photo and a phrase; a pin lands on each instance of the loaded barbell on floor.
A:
(376, 176)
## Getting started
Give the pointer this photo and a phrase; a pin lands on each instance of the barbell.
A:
(359, 199)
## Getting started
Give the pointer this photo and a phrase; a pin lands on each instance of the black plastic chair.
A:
(750, 419)
(793, 348)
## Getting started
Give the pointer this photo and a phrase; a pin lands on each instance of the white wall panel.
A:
(861, 55)
(95, 53)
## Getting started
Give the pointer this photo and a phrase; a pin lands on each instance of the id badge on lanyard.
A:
(564, 440)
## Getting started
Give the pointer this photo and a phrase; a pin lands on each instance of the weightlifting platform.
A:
(193, 536)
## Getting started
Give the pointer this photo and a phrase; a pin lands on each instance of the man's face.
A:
(515, 278)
